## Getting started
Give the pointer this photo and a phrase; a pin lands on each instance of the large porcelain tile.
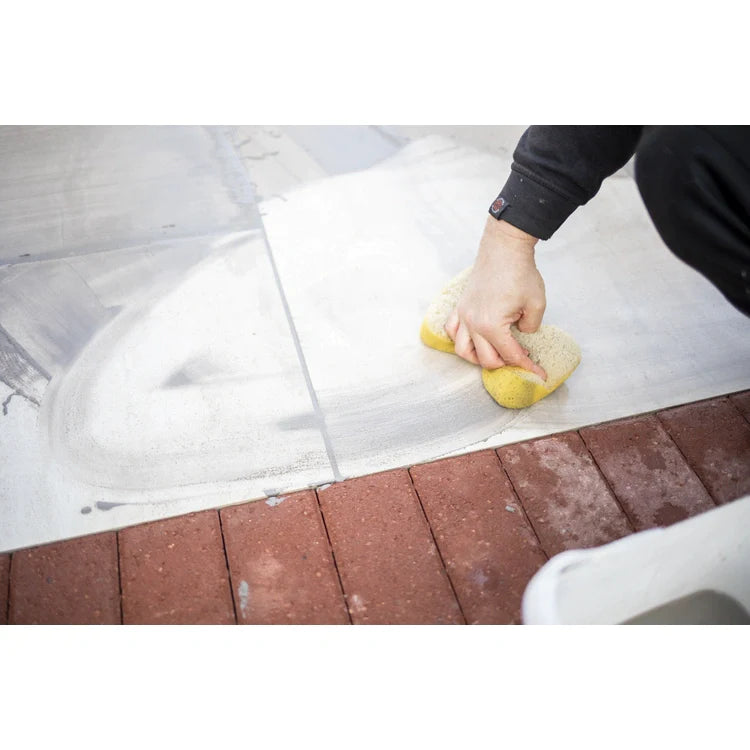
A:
(361, 256)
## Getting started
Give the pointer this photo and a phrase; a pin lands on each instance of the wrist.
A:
(503, 239)
(501, 228)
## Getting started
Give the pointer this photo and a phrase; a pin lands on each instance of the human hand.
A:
(504, 288)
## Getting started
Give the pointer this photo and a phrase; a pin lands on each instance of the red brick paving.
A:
(715, 439)
(389, 566)
(383, 535)
(488, 546)
(66, 583)
(4, 585)
(646, 471)
(174, 572)
(741, 401)
(565, 496)
(281, 564)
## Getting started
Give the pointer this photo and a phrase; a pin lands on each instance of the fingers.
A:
(486, 353)
(514, 354)
(473, 348)
(451, 325)
(490, 354)
(464, 346)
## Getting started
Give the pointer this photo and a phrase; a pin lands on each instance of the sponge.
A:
(512, 387)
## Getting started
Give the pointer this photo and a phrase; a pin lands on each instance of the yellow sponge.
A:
(513, 387)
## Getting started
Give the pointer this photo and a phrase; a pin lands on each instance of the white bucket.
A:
(695, 572)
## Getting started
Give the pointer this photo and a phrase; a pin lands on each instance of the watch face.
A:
(497, 207)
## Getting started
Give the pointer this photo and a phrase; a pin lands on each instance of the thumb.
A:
(531, 319)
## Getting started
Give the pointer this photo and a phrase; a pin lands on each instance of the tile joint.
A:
(692, 468)
(119, 577)
(333, 556)
(226, 562)
(517, 495)
(437, 546)
(631, 521)
(290, 319)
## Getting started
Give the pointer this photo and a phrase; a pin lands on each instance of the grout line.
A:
(517, 495)
(288, 312)
(226, 562)
(119, 574)
(303, 364)
(437, 547)
(631, 521)
(665, 426)
(333, 556)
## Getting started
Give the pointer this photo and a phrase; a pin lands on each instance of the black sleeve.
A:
(557, 168)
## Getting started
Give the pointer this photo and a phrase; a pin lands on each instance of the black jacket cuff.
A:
(531, 207)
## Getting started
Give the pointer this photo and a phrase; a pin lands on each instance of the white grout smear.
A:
(357, 607)
(243, 593)
(193, 388)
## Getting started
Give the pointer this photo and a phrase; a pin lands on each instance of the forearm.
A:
(556, 169)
